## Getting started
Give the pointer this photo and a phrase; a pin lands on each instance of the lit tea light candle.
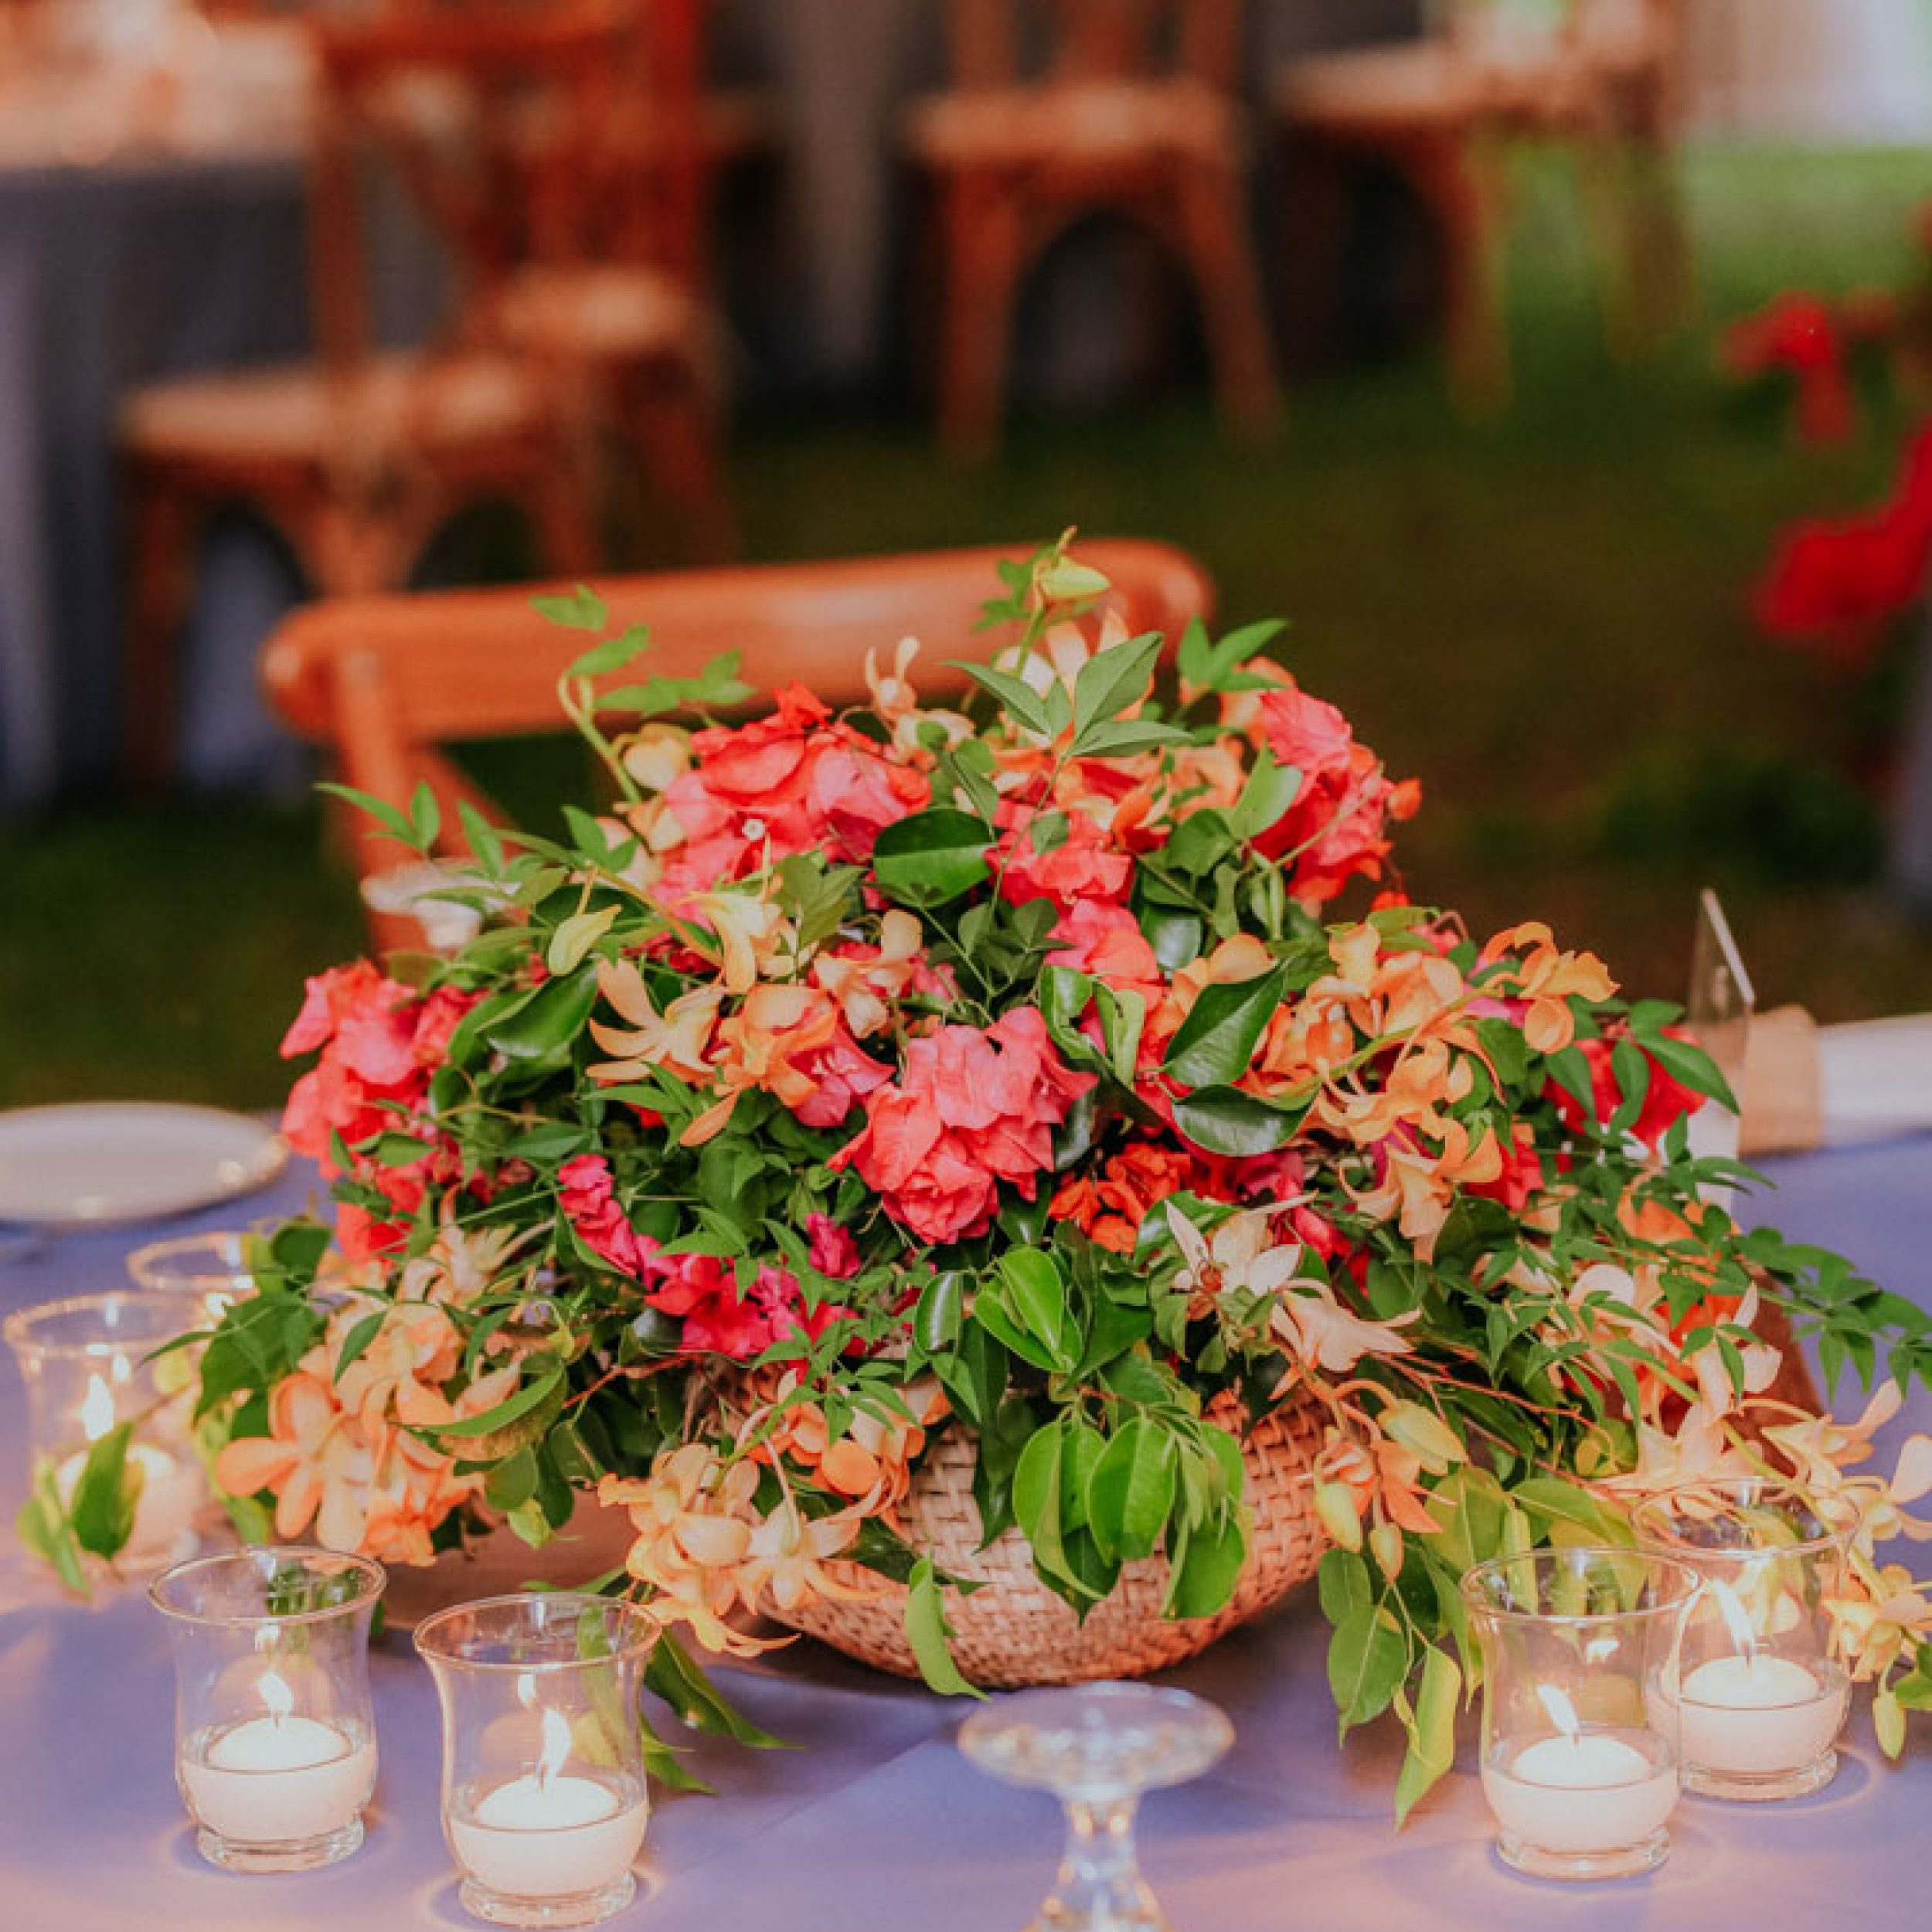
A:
(1754, 1714)
(1581, 1792)
(545, 1834)
(171, 1488)
(279, 1779)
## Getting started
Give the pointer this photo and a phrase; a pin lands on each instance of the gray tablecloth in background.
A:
(111, 277)
(875, 1824)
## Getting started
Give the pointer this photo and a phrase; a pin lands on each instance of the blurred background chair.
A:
(1444, 113)
(624, 313)
(384, 683)
(358, 456)
(1057, 111)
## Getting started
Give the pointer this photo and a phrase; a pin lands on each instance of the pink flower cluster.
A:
(797, 781)
(969, 1109)
(1338, 824)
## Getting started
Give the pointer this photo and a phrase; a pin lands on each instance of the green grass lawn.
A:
(1541, 616)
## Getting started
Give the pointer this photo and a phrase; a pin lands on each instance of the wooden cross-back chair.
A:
(588, 239)
(358, 455)
(386, 683)
(1599, 77)
(1078, 106)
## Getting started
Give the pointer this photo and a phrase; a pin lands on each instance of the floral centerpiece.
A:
(848, 1085)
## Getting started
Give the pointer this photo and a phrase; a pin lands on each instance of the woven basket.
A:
(1016, 1631)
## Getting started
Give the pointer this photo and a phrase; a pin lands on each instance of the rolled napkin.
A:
(1781, 1091)
(1808, 1086)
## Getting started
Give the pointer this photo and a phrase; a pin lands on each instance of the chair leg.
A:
(1215, 237)
(1315, 174)
(982, 245)
(165, 521)
(1461, 179)
(562, 508)
(672, 426)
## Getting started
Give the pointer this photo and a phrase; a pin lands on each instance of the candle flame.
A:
(276, 1695)
(1563, 1712)
(557, 1748)
(96, 1409)
(1737, 1619)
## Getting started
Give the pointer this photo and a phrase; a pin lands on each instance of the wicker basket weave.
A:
(1016, 1631)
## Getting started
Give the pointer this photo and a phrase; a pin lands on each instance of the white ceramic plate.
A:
(99, 1164)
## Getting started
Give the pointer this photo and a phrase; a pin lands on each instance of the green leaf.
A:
(1111, 680)
(102, 1506)
(395, 823)
(581, 609)
(549, 1021)
(1132, 1491)
(612, 655)
(941, 1309)
(933, 856)
(358, 1338)
(1368, 1658)
(1226, 1120)
(521, 1416)
(1208, 1567)
(1432, 1730)
(1271, 790)
(1037, 1295)
(577, 935)
(1342, 1582)
(512, 1482)
(1017, 699)
(674, 1675)
(43, 1527)
(1217, 1040)
(927, 1631)
(1565, 1502)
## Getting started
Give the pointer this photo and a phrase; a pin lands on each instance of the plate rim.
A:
(268, 1158)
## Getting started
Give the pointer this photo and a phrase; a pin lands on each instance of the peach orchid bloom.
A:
(678, 1039)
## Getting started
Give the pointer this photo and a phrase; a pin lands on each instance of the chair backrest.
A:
(386, 682)
(485, 112)
(1007, 43)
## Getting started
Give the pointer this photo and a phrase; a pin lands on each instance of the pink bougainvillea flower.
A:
(969, 1111)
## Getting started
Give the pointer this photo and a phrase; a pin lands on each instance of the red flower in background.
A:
(1801, 333)
(1838, 584)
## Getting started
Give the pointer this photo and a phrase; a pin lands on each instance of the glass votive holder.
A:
(213, 1267)
(1760, 1694)
(544, 1800)
(1580, 1761)
(274, 1739)
(90, 1367)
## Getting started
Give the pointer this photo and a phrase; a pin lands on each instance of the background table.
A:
(875, 1824)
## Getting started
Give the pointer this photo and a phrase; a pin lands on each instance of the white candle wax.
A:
(1759, 1715)
(1592, 1792)
(278, 1780)
(171, 1492)
(534, 1837)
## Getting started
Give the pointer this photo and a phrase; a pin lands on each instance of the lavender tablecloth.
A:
(875, 1824)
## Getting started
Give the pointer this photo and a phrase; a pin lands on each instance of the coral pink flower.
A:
(589, 1203)
(969, 1109)
(1097, 936)
(834, 1253)
(1083, 866)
